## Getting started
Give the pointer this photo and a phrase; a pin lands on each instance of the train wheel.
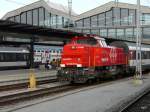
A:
(98, 79)
(89, 81)
(72, 82)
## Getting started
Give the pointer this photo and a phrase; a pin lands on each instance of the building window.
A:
(132, 17)
(53, 21)
(134, 33)
(65, 22)
(124, 17)
(146, 33)
(23, 18)
(41, 16)
(29, 17)
(35, 17)
(47, 21)
(101, 20)
(129, 33)
(146, 19)
(59, 21)
(11, 18)
(78, 30)
(103, 32)
(86, 22)
(120, 34)
(86, 31)
(79, 23)
(109, 18)
(17, 19)
(95, 31)
(94, 21)
(112, 33)
(116, 16)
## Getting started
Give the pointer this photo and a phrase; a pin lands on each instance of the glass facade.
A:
(29, 17)
(101, 20)
(123, 19)
(41, 17)
(86, 22)
(109, 18)
(94, 21)
(102, 24)
(24, 18)
(116, 16)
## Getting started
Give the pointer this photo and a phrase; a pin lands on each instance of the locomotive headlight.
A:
(73, 47)
(66, 72)
(62, 65)
(79, 65)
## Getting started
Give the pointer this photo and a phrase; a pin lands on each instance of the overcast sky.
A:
(79, 6)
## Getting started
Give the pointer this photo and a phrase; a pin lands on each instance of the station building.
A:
(41, 13)
(114, 20)
(111, 20)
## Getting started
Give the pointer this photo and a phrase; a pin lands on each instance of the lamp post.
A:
(138, 73)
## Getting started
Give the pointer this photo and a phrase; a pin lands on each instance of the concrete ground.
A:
(107, 98)
(11, 75)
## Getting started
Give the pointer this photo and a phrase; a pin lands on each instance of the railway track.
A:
(20, 84)
(13, 99)
(139, 104)
(42, 91)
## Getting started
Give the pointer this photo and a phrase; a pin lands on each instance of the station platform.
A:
(101, 98)
(23, 74)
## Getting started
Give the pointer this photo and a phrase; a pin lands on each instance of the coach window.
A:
(13, 57)
(1, 57)
(133, 55)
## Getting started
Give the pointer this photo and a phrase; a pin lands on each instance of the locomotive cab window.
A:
(88, 41)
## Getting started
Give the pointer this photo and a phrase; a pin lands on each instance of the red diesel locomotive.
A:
(88, 58)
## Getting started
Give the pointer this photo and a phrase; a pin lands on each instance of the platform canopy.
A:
(9, 26)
